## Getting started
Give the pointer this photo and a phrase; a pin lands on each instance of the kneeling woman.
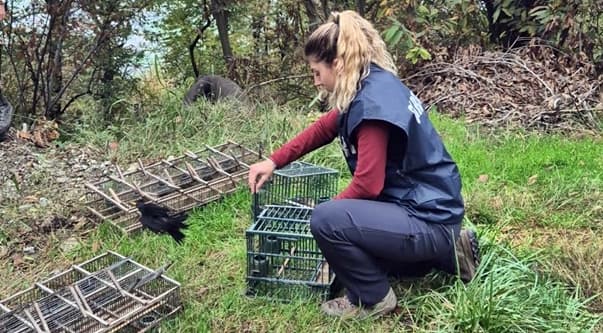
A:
(401, 214)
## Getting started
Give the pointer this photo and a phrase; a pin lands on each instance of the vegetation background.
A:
(515, 91)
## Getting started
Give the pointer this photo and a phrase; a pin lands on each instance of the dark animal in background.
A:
(160, 220)
(213, 88)
(6, 116)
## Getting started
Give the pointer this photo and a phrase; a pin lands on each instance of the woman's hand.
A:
(259, 173)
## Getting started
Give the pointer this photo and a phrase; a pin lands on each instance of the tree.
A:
(220, 12)
(204, 23)
(315, 18)
(60, 50)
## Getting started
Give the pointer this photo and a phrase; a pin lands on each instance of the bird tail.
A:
(160, 219)
(178, 219)
(177, 235)
(174, 226)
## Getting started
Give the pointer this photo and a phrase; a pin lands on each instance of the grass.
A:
(524, 192)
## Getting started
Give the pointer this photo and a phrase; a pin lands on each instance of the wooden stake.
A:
(118, 203)
(282, 268)
(133, 187)
(168, 184)
(193, 173)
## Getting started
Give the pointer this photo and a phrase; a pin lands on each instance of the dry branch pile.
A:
(531, 87)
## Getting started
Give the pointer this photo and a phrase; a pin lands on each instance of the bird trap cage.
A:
(298, 184)
(283, 259)
(179, 184)
(109, 293)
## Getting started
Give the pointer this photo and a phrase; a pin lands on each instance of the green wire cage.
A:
(283, 259)
(299, 184)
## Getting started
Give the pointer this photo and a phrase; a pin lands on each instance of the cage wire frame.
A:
(180, 184)
(299, 184)
(283, 258)
(108, 293)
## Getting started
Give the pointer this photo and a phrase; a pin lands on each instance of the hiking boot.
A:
(342, 307)
(467, 253)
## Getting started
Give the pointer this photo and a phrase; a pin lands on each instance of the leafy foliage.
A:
(60, 51)
(414, 29)
(266, 41)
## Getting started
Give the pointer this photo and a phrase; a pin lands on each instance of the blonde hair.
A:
(355, 43)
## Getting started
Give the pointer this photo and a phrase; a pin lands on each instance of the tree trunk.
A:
(360, 7)
(59, 13)
(191, 53)
(207, 18)
(325, 8)
(312, 12)
(257, 29)
(218, 10)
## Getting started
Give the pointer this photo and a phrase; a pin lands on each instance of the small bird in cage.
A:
(160, 219)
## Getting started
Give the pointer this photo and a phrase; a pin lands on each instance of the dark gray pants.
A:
(366, 241)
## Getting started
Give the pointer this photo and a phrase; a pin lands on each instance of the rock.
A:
(69, 244)
(132, 167)
(44, 202)
(62, 180)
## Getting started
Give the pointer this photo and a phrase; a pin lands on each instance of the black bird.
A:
(159, 220)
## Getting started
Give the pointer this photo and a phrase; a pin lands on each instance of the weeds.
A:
(515, 184)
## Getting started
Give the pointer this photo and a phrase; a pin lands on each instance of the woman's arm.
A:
(320, 133)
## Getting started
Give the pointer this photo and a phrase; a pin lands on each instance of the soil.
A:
(42, 203)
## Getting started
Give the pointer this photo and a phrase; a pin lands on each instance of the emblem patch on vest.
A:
(415, 106)
(344, 146)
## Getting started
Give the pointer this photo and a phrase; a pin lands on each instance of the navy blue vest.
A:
(420, 174)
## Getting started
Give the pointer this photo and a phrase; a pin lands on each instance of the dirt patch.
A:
(41, 202)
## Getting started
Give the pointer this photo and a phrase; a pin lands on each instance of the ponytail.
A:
(354, 43)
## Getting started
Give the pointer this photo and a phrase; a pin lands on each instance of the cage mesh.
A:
(299, 184)
(109, 293)
(283, 259)
(180, 184)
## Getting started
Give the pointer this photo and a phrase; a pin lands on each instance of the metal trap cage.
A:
(109, 293)
(180, 184)
(298, 184)
(283, 259)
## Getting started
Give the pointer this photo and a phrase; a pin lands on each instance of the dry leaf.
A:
(24, 135)
(113, 146)
(39, 140)
(81, 223)
(52, 135)
(30, 199)
(3, 251)
(18, 260)
(482, 178)
(96, 245)
(202, 291)
(532, 180)
(496, 202)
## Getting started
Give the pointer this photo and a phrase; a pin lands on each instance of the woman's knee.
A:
(327, 217)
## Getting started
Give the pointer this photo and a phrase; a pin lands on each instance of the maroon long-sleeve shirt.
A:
(372, 136)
